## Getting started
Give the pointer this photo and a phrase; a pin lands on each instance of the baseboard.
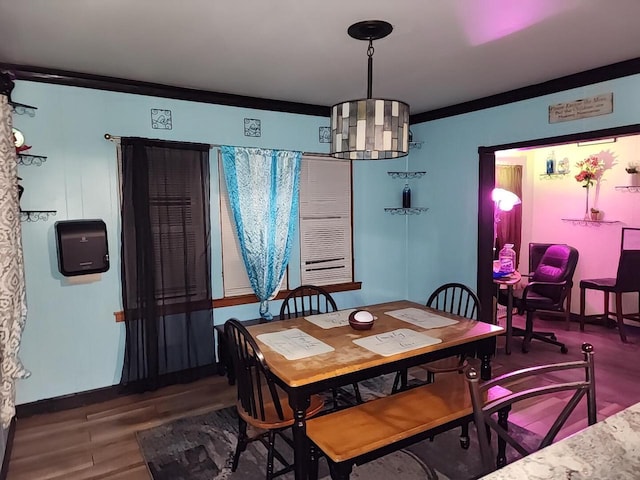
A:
(89, 397)
(7, 450)
(66, 402)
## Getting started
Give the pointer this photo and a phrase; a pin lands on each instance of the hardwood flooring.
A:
(99, 441)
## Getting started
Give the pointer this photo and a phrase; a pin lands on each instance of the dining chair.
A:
(627, 280)
(549, 289)
(492, 415)
(311, 300)
(260, 402)
(458, 299)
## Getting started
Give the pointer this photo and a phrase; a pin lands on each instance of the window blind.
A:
(325, 221)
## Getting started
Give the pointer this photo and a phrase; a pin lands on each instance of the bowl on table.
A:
(361, 320)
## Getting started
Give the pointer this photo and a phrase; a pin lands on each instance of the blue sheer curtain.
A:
(263, 194)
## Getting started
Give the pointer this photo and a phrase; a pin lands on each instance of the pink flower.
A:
(590, 169)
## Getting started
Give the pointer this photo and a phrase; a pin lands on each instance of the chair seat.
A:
(608, 284)
(449, 364)
(271, 419)
(535, 301)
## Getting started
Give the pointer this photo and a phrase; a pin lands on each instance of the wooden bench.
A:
(370, 430)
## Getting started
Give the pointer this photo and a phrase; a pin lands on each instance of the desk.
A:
(350, 363)
(509, 281)
(606, 450)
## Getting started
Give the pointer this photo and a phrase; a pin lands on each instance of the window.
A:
(165, 222)
(324, 228)
(235, 279)
(325, 221)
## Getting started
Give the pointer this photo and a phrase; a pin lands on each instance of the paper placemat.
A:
(294, 344)
(331, 319)
(421, 318)
(396, 341)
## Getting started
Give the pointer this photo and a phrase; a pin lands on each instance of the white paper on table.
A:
(396, 341)
(331, 319)
(294, 344)
(421, 318)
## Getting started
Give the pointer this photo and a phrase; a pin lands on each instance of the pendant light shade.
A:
(370, 128)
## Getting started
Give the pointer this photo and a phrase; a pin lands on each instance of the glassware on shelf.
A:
(406, 196)
(551, 164)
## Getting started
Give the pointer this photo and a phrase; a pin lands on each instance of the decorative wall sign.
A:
(161, 119)
(324, 134)
(252, 127)
(583, 108)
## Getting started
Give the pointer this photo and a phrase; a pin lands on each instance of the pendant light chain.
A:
(370, 69)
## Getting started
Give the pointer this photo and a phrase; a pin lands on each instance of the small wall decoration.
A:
(582, 108)
(161, 119)
(252, 127)
(324, 134)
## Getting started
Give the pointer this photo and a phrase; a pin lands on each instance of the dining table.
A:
(309, 355)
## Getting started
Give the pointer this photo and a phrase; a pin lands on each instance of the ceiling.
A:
(440, 53)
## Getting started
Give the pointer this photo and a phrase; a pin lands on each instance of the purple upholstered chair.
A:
(549, 289)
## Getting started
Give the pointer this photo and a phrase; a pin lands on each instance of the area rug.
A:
(201, 448)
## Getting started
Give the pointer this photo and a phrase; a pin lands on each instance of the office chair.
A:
(549, 289)
(626, 280)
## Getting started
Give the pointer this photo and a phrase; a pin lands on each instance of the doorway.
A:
(487, 181)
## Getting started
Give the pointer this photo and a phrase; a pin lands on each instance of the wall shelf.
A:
(629, 188)
(405, 211)
(27, 159)
(550, 176)
(406, 174)
(22, 109)
(36, 215)
(595, 223)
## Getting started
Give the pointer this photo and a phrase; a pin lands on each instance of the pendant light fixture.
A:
(370, 128)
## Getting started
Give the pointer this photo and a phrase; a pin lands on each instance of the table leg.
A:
(299, 404)
(507, 343)
(485, 350)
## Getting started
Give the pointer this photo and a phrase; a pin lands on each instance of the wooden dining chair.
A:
(260, 402)
(311, 300)
(458, 299)
(455, 298)
(492, 415)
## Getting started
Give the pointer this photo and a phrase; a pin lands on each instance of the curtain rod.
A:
(115, 138)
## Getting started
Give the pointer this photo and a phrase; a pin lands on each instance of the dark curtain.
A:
(166, 263)
(509, 177)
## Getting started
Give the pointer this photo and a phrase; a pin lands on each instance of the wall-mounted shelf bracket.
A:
(551, 176)
(629, 188)
(22, 109)
(36, 215)
(406, 174)
(416, 145)
(594, 223)
(406, 211)
(27, 160)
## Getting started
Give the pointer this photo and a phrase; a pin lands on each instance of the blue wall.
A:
(72, 343)
(442, 246)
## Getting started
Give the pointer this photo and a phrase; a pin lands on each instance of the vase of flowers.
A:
(589, 171)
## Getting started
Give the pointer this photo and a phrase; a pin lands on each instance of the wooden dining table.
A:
(349, 362)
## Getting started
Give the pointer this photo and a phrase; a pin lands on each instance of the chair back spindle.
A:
(256, 387)
(455, 298)
(307, 300)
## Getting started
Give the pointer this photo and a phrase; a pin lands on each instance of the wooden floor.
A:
(99, 441)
